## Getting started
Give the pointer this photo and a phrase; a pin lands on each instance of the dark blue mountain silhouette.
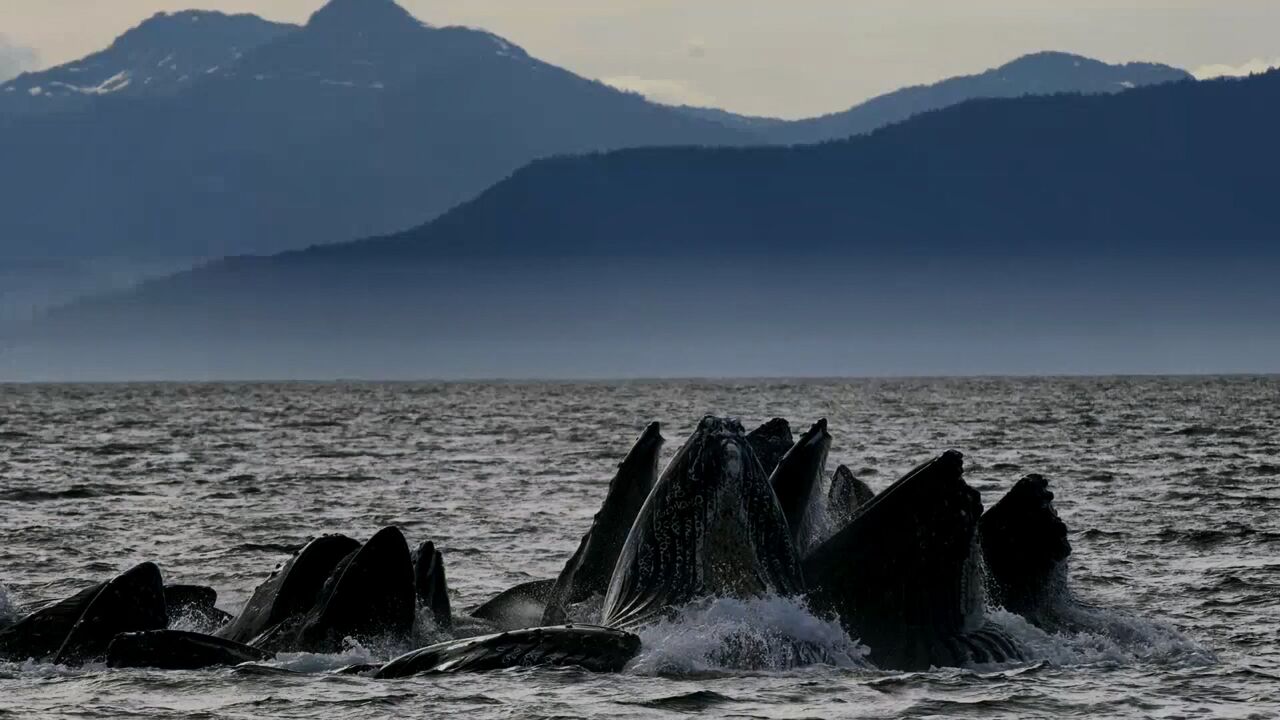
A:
(1158, 169)
(1044, 73)
(198, 135)
(1115, 233)
(364, 121)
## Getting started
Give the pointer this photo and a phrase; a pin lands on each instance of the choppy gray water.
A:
(1170, 487)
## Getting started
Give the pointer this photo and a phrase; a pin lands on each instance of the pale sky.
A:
(788, 58)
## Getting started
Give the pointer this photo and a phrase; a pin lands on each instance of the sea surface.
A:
(1170, 486)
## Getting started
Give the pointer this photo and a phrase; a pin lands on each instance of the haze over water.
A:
(1168, 485)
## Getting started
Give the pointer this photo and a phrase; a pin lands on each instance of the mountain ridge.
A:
(1114, 233)
(160, 56)
(1039, 73)
(893, 144)
(427, 116)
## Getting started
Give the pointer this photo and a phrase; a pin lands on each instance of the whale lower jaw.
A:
(178, 650)
(598, 649)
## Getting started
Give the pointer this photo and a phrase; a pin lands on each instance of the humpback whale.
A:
(370, 594)
(847, 495)
(40, 634)
(333, 588)
(131, 602)
(521, 606)
(291, 590)
(797, 482)
(78, 629)
(178, 650)
(710, 528)
(770, 442)
(588, 571)
(1025, 546)
(904, 576)
(431, 585)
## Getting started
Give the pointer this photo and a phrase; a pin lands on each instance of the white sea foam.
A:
(1103, 636)
(425, 630)
(764, 634)
(192, 620)
(353, 654)
(31, 668)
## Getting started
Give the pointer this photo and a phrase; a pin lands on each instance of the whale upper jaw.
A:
(710, 528)
(797, 483)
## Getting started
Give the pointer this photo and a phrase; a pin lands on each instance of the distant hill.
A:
(758, 125)
(364, 121)
(162, 56)
(1044, 73)
(1111, 233)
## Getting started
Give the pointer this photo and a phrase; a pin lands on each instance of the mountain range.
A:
(199, 135)
(362, 122)
(1129, 232)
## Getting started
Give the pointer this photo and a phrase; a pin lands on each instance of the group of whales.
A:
(910, 572)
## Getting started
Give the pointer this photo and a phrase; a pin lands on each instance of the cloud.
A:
(670, 92)
(15, 59)
(1256, 65)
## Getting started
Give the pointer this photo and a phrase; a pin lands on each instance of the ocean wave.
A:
(74, 492)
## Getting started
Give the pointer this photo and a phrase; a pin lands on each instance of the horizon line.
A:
(816, 379)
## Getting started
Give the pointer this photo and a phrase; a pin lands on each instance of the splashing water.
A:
(760, 634)
(353, 653)
(366, 651)
(46, 670)
(1104, 636)
(193, 621)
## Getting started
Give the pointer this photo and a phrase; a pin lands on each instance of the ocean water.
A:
(1170, 487)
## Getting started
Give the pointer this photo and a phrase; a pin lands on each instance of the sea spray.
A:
(761, 634)
(1104, 636)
